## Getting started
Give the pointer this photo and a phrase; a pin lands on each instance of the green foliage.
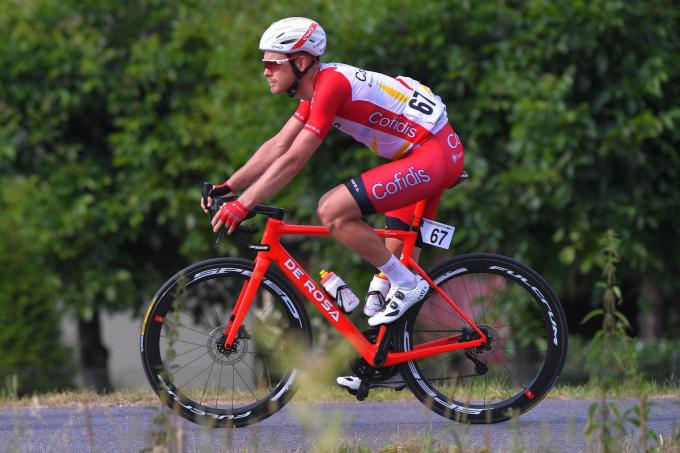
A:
(611, 353)
(33, 356)
(611, 357)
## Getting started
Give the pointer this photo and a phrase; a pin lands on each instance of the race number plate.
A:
(437, 234)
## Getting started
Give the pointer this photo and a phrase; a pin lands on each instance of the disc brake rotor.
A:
(227, 356)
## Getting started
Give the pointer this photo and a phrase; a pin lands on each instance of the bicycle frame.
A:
(273, 251)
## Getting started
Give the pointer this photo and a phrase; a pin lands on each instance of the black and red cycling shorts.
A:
(395, 187)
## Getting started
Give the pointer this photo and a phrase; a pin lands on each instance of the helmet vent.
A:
(288, 41)
(281, 35)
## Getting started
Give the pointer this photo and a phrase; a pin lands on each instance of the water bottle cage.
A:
(380, 297)
(339, 301)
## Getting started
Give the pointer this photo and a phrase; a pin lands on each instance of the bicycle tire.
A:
(181, 340)
(524, 321)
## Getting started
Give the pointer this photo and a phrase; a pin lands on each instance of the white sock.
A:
(398, 273)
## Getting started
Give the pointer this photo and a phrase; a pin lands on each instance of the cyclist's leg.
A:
(340, 213)
(401, 219)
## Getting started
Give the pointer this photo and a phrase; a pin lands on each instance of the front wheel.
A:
(526, 331)
(183, 352)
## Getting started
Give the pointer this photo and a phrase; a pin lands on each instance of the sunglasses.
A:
(271, 65)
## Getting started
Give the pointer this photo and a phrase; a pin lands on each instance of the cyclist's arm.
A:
(265, 156)
(283, 170)
(332, 91)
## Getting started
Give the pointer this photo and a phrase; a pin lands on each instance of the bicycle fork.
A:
(244, 300)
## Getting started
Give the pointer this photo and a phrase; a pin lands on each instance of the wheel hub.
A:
(492, 344)
(226, 356)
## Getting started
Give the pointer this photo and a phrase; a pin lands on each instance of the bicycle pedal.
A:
(359, 393)
(396, 386)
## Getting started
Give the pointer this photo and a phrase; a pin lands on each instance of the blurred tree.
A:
(30, 337)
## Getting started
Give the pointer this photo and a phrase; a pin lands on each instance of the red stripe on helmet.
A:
(306, 36)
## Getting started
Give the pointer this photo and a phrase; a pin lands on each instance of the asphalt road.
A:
(554, 425)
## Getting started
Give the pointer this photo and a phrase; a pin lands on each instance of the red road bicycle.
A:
(219, 338)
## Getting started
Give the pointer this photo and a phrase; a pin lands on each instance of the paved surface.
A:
(553, 425)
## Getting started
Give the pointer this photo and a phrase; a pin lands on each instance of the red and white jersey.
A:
(390, 115)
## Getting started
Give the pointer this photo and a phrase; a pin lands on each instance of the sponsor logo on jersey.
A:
(403, 127)
(453, 140)
(400, 182)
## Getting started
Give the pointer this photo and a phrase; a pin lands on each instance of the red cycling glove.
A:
(231, 214)
(220, 190)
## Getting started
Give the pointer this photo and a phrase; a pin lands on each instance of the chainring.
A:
(368, 373)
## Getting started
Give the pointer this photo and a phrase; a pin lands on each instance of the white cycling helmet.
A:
(294, 34)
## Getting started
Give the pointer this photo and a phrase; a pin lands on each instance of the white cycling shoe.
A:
(398, 301)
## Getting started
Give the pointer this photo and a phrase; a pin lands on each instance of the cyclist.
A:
(397, 118)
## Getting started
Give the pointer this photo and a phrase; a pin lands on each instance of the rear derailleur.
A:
(475, 354)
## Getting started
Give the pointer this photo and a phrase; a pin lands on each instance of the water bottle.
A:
(337, 288)
(375, 298)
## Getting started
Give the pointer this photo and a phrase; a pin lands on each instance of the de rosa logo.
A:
(400, 182)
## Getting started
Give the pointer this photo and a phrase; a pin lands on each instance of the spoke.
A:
(513, 376)
(471, 300)
(250, 368)
(199, 373)
(450, 378)
(219, 386)
(205, 322)
(434, 363)
(424, 319)
(252, 391)
(450, 331)
(455, 387)
(469, 395)
(180, 325)
(183, 341)
(269, 376)
(509, 348)
(178, 355)
(189, 315)
(196, 359)
(442, 306)
(206, 383)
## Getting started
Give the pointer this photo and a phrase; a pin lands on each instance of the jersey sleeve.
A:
(302, 112)
(331, 93)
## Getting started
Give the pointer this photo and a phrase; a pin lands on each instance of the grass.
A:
(330, 393)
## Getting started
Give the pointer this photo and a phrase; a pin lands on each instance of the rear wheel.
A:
(183, 344)
(525, 326)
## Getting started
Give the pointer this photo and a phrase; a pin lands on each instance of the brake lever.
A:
(207, 188)
(240, 230)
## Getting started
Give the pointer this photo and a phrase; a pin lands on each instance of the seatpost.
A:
(418, 214)
(415, 223)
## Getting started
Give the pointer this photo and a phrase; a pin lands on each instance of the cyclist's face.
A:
(277, 71)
